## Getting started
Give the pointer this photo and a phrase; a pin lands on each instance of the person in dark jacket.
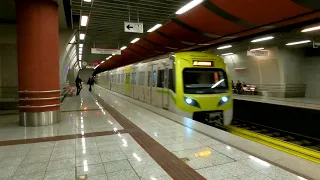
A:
(78, 84)
(91, 82)
(239, 87)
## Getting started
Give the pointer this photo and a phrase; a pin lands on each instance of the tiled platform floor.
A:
(139, 145)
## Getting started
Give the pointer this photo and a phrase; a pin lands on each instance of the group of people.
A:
(237, 88)
(78, 81)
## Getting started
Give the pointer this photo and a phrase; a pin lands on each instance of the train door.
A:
(149, 84)
(133, 82)
(154, 94)
(165, 86)
(108, 80)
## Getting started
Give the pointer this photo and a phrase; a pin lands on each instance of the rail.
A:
(296, 144)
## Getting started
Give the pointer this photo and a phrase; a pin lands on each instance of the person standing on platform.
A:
(78, 84)
(239, 87)
(91, 82)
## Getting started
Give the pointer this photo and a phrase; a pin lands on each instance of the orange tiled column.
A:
(38, 62)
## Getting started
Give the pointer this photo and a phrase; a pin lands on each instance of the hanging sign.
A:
(133, 27)
(105, 51)
(257, 53)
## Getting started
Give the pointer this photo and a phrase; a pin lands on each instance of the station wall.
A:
(8, 55)
(283, 73)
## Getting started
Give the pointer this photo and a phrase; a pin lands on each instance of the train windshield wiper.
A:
(217, 84)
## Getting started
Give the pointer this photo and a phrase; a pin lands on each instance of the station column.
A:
(38, 62)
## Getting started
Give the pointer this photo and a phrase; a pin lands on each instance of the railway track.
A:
(296, 144)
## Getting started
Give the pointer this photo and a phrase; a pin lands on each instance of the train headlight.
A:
(188, 101)
(224, 100)
(191, 102)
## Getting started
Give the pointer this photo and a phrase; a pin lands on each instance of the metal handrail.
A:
(44, 106)
(34, 99)
(27, 91)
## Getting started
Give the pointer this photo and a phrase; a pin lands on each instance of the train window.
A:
(171, 81)
(149, 78)
(154, 78)
(133, 81)
(141, 78)
(160, 78)
(205, 81)
(122, 78)
(127, 78)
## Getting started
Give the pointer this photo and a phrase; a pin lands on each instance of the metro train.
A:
(193, 84)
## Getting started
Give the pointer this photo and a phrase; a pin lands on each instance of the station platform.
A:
(103, 135)
(306, 103)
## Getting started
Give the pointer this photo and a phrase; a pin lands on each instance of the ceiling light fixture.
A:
(189, 6)
(81, 45)
(87, 0)
(226, 54)
(73, 40)
(263, 39)
(311, 29)
(97, 66)
(298, 42)
(84, 20)
(135, 40)
(80, 57)
(224, 47)
(80, 49)
(102, 62)
(113, 54)
(82, 36)
(257, 49)
(123, 48)
(154, 27)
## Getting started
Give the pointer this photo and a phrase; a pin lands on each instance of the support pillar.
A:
(38, 62)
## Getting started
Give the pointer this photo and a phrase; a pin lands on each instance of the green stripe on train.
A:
(167, 92)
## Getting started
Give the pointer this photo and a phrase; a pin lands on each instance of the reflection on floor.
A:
(119, 156)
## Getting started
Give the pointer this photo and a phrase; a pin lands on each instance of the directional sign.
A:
(133, 27)
(105, 51)
(257, 53)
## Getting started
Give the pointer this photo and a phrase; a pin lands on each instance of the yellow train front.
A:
(203, 89)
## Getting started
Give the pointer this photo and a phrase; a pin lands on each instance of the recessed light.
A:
(135, 40)
(263, 39)
(82, 36)
(298, 42)
(257, 49)
(189, 6)
(84, 20)
(311, 29)
(124, 47)
(224, 47)
(154, 27)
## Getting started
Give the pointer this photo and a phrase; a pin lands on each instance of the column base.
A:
(39, 118)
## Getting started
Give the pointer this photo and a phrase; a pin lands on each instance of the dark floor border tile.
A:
(59, 138)
(168, 161)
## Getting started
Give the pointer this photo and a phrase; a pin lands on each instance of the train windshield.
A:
(205, 81)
